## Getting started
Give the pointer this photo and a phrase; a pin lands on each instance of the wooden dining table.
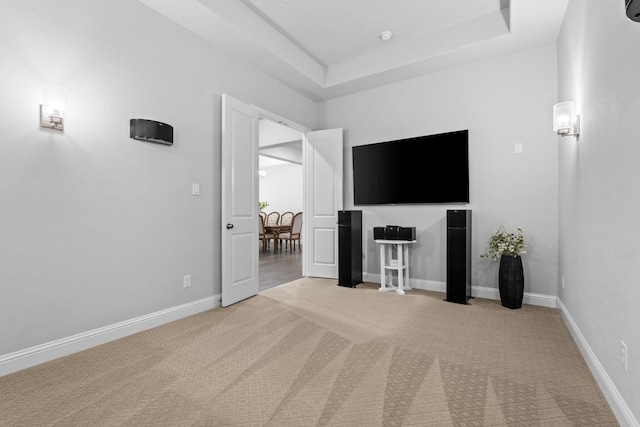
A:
(276, 230)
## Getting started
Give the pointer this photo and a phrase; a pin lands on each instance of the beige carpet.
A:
(313, 353)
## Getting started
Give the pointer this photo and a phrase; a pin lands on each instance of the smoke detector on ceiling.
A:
(385, 35)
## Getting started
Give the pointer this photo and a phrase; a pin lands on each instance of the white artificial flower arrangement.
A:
(504, 243)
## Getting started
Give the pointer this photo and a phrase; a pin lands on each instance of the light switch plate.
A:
(195, 189)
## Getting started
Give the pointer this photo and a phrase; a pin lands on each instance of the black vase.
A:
(511, 281)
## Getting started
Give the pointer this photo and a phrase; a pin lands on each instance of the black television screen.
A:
(425, 169)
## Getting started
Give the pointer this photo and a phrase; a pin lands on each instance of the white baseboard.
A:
(616, 402)
(36, 355)
(530, 298)
(476, 291)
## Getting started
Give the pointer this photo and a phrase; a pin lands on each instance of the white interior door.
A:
(239, 201)
(323, 199)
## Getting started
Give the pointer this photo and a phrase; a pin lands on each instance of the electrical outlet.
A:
(186, 281)
(624, 355)
(563, 281)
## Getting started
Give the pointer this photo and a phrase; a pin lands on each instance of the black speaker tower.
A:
(349, 248)
(458, 256)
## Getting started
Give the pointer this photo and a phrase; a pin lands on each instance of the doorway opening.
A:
(281, 189)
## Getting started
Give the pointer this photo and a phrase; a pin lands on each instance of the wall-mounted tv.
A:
(424, 169)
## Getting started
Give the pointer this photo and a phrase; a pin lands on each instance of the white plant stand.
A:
(399, 265)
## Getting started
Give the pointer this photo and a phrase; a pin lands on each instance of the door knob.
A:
(229, 226)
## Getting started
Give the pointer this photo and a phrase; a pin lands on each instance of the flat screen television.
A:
(420, 170)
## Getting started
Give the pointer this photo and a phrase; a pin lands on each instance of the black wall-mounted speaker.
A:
(633, 9)
(151, 131)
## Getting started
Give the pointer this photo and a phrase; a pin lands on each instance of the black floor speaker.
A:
(458, 256)
(349, 248)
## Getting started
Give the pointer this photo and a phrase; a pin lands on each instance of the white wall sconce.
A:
(565, 121)
(51, 117)
(52, 109)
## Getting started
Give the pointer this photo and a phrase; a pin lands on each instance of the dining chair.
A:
(285, 224)
(263, 215)
(273, 218)
(262, 236)
(294, 235)
(286, 218)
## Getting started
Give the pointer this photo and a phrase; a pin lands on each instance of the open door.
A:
(323, 158)
(239, 201)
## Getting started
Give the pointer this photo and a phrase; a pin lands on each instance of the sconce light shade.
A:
(51, 117)
(53, 108)
(565, 120)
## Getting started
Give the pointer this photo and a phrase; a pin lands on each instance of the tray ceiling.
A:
(330, 48)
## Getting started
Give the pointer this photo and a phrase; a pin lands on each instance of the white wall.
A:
(502, 101)
(97, 228)
(282, 188)
(599, 186)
